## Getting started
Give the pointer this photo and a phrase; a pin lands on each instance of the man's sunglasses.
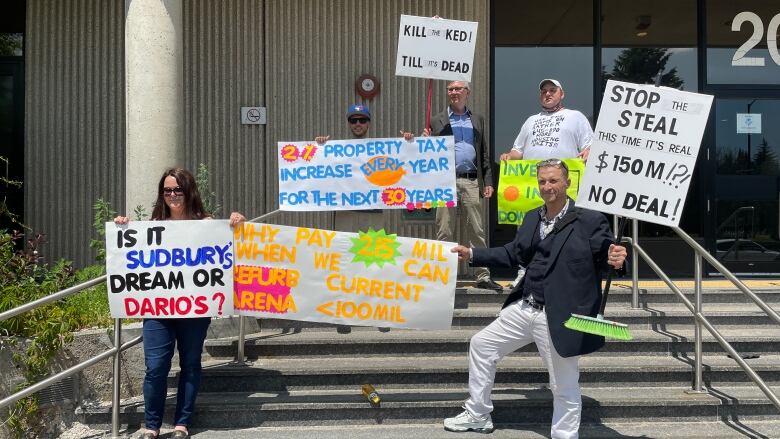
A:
(552, 162)
(354, 120)
(170, 191)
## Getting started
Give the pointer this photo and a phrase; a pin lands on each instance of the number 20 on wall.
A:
(739, 58)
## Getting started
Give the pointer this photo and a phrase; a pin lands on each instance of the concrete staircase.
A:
(305, 377)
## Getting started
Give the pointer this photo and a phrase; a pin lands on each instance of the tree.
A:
(641, 65)
(10, 44)
(765, 160)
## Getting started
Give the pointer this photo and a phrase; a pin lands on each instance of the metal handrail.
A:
(114, 352)
(699, 253)
(734, 215)
(51, 298)
(240, 348)
(67, 372)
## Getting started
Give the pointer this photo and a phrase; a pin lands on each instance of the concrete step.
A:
(668, 316)
(290, 374)
(513, 405)
(726, 429)
(313, 344)
(465, 297)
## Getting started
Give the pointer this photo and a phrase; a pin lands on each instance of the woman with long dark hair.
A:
(177, 199)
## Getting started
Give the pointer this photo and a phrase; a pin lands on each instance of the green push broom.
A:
(597, 325)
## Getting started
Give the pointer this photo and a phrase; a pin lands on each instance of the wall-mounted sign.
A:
(748, 123)
(253, 115)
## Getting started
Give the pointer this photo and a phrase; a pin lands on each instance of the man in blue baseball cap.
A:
(359, 119)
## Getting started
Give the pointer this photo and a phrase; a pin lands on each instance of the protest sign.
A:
(436, 48)
(368, 278)
(356, 174)
(167, 269)
(518, 190)
(644, 151)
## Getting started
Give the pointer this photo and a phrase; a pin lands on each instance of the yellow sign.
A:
(518, 190)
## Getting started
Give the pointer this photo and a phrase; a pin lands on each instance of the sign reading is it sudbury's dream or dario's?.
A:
(436, 48)
(169, 269)
(358, 174)
(644, 150)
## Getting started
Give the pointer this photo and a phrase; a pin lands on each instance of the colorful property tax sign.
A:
(165, 269)
(518, 189)
(357, 174)
(369, 278)
(644, 151)
(436, 48)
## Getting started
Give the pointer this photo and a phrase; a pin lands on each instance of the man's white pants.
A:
(516, 326)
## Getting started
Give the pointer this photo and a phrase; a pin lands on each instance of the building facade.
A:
(64, 100)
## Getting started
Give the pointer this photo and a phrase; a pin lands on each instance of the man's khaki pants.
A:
(469, 208)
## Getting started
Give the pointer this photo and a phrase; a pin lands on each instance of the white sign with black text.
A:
(748, 123)
(644, 150)
(253, 116)
(436, 48)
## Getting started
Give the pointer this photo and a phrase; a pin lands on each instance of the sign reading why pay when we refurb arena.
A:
(644, 150)
(436, 48)
(368, 278)
(359, 174)
(166, 269)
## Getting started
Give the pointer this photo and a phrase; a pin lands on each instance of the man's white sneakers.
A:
(468, 422)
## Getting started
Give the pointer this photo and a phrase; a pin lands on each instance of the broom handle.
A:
(428, 105)
(621, 225)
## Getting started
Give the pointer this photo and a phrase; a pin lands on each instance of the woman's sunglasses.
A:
(171, 191)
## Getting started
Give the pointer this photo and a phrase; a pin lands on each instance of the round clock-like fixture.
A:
(367, 86)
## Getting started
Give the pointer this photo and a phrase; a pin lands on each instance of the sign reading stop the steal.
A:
(436, 48)
(644, 150)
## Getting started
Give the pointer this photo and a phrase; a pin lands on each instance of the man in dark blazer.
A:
(473, 175)
(565, 249)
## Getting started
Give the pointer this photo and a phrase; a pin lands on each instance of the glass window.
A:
(644, 38)
(11, 44)
(534, 41)
(742, 42)
(747, 137)
(561, 23)
(517, 72)
(649, 23)
(641, 39)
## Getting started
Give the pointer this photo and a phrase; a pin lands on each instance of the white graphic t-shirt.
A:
(562, 135)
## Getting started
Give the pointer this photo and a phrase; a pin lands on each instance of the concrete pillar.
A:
(154, 94)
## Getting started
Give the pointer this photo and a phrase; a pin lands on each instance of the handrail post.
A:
(116, 379)
(697, 271)
(241, 339)
(634, 264)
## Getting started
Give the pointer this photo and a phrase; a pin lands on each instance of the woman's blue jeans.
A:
(160, 338)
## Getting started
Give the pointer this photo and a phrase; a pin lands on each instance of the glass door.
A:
(746, 191)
